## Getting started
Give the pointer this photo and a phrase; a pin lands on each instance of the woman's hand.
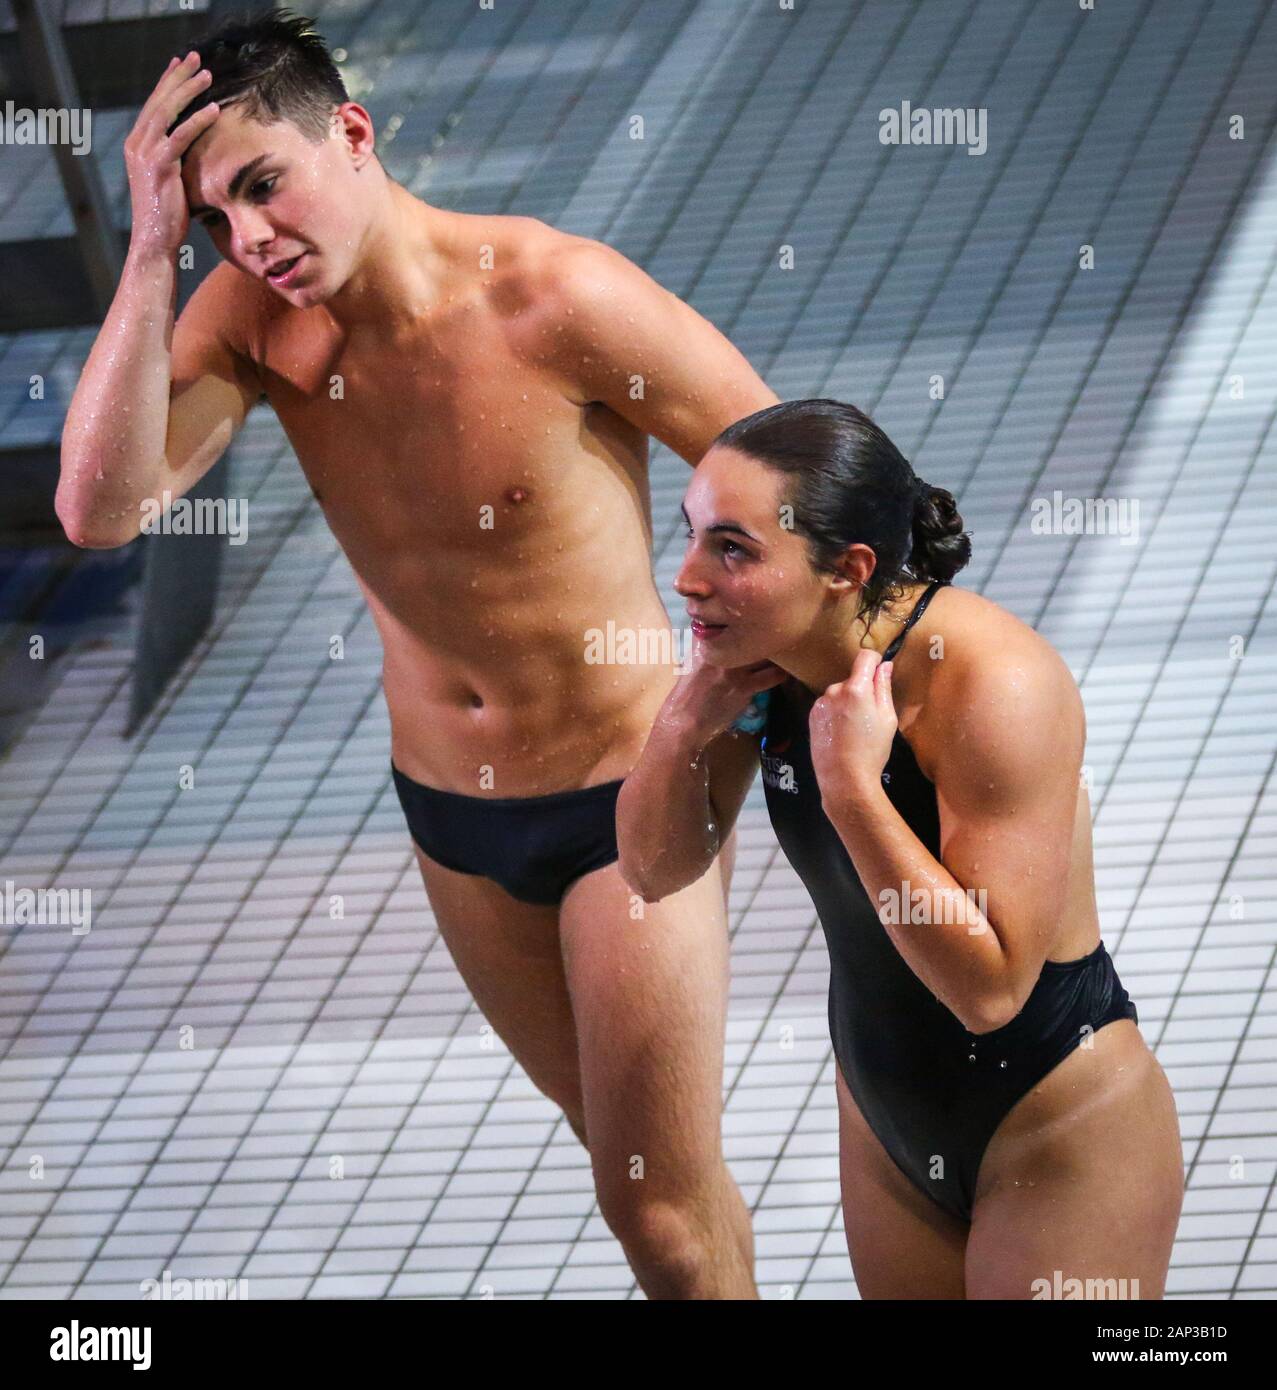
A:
(708, 698)
(852, 726)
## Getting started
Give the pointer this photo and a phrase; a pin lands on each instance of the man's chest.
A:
(374, 420)
(445, 439)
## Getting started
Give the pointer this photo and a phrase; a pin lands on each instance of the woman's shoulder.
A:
(976, 668)
(961, 634)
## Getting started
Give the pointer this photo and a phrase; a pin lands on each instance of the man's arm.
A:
(144, 418)
(628, 342)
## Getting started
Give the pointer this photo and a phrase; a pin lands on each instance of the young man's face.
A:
(297, 198)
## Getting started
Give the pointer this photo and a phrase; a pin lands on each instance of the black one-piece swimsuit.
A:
(931, 1091)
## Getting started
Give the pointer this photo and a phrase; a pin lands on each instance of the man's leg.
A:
(726, 863)
(509, 957)
(649, 996)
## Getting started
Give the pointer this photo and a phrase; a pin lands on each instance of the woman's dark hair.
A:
(848, 484)
(275, 67)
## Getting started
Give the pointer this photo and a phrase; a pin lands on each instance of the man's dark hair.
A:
(275, 67)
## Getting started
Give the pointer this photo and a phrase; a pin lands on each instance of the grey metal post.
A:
(43, 53)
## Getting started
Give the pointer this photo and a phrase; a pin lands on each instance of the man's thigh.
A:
(509, 955)
(727, 863)
(649, 984)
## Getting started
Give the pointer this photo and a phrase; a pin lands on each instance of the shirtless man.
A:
(470, 399)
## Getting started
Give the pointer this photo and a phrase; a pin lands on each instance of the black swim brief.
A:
(535, 847)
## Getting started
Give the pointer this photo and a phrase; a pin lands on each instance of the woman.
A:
(1004, 1128)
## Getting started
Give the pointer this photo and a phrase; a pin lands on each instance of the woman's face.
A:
(751, 591)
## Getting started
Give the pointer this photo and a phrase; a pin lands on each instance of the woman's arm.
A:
(678, 806)
(1007, 732)
(682, 797)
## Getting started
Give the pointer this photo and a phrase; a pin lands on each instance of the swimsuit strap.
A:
(918, 609)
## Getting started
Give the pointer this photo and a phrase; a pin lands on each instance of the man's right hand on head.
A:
(153, 157)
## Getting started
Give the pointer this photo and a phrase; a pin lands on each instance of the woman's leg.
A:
(1083, 1180)
(902, 1245)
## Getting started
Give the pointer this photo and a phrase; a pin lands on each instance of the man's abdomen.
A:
(527, 710)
